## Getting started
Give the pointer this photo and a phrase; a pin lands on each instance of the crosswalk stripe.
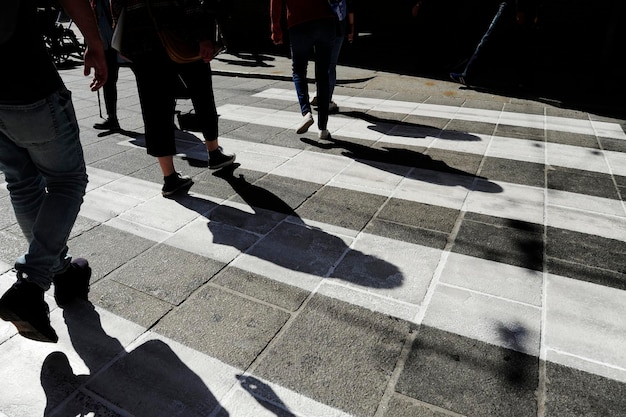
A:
(563, 124)
(566, 156)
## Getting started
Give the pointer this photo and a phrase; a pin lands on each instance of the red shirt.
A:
(298, 11)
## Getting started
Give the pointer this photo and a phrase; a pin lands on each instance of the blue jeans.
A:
(317, 36)
(334, 55)
(43, 164)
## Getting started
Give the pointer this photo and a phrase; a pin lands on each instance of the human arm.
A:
(416, 8)
(350, 34)
(82, 14)
(276, 11)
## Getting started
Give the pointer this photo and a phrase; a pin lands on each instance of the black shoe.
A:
(73, 283)
(458, 78)
(218, 159)
(108, 124)
(174, 183)
(24, 306)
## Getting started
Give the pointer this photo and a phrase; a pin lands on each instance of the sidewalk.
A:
(448, 253)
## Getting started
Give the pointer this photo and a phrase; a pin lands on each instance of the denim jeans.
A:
(317, 36)
(43, 164)
(334, 55)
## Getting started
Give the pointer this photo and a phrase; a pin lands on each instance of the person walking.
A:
(346, 32)
(102, 8)
(42, 161)
(158, 77)
(312, 26)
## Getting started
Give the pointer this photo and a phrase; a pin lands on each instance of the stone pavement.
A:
(448, 253)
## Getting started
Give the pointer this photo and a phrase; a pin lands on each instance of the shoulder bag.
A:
(180, 50)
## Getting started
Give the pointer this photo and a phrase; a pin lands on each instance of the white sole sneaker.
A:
(324, 134)
(307, 121)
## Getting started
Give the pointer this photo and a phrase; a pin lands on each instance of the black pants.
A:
(109, 89)
(157, 83)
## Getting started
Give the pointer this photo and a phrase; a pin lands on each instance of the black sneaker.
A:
(174, 183)
(218, 159)
(73, 283)
(108, 124)
(24, 306)
(458, 78)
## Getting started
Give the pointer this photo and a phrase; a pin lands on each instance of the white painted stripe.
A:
(566, 156)
(563, 124)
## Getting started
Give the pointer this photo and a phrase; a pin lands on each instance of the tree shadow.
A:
(392, 127)
(148, 381)
(275, 233)
(389, 158)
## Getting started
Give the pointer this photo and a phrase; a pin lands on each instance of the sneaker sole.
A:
(223, 164)
(25, 328)
(177, 189)
(305, 127)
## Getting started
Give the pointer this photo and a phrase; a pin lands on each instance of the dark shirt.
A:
(188, 18)
(27, 73)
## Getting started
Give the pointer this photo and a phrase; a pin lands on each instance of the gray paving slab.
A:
(417, 264)
(345, 362)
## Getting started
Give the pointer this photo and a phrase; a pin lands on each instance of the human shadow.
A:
(189, 147)
(123, 132)
(389, 158)
(149, 381)
(264, 395)
(514, 336)
(251, 60)
(398, 128)
(275, 233)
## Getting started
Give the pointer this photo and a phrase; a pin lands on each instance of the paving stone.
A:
(129, 303)
(424, 216)
(130, 384)
(566, 246)
(300, 248)
(469, 377)
(406, 233)
(12, 246)
(231, 328)
(262, 288)
(167, 273)
(471, 126)
(462, 162)
(511, 242)
(341, 207)
(107, 249)
(574, 393)
(338, 354)
(82, 404)
(594, 184)
(518, 172)
(289, 190)
(527, 133)
(127, 162)
(400, 406)
(574, 139)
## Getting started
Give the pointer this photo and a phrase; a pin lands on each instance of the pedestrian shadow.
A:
(275, 233)
(398, 128)
(264, 395)
(149, 381)
(389, 158)
(189, 147)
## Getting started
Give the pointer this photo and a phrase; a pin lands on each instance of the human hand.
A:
(95, 59)
(277, 38)
(208, 50)
(416, 8)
